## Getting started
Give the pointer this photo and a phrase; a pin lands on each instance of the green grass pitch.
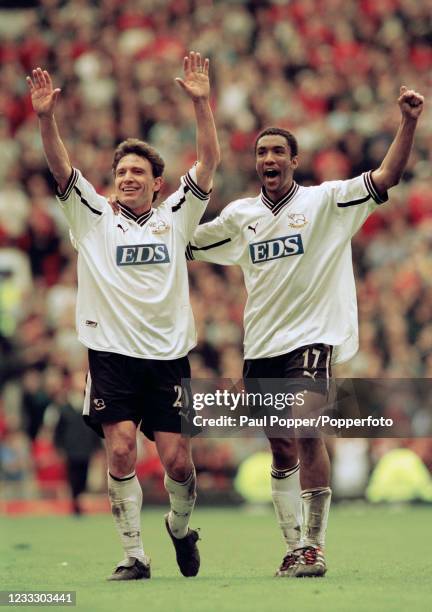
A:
(379, 559)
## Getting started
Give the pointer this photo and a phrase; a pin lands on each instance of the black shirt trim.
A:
(85, 202)
(197, 191)
(276, 207)
(129, 214)
(372, 190)
(70, 185)
(191, 248)
(189, 254)
(353, 202)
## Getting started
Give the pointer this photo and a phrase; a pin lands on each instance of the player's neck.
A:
(278, 194)
(142, 209)
(138, 210)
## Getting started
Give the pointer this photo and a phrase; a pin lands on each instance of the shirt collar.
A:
(129, 214)
(276, 207)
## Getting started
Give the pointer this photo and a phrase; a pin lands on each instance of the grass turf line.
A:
(378, 559)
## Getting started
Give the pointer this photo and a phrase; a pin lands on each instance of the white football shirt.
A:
(133, 291)
(296, 259)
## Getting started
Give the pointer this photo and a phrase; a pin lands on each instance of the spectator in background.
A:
(35, 400)
(75, 441)
(15, 462)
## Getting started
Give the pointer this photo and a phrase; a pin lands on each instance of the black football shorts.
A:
(305, 368)
(308, 367)
(146, 391)
(288, 379)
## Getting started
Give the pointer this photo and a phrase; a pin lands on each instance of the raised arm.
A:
(393, 164)
(44, 98)
(197, 85)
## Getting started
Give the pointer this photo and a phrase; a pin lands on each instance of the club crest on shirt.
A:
(99, 404)
(158, 227)
(296, 220)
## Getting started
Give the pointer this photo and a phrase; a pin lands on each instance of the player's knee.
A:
(284, 452)
(311, 449)
(178, 466)
(122, 456)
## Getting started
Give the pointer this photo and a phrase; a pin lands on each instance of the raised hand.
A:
(196, 80)
(43, 95)
(410, 102)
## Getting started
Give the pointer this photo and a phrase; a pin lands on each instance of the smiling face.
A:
(275, 165)
(134, 183)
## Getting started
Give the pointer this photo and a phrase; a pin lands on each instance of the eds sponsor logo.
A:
(137, 254)
(276, 248)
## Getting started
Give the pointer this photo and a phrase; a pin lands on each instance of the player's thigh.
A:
(312, 404)
(256, 370)
(259, 380)
(113, 396)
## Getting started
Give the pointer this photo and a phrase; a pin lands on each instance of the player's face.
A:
(274, 165)
(134, 182)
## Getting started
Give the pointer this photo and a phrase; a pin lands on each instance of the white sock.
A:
(316, 506)
(287, 503)
(182, 497)
(125, 495)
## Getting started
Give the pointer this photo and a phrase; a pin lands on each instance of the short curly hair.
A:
(275, 131)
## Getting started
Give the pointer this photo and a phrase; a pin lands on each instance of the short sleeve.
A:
(216, 242)
(81, 204)
(187, 204)
(354, 200)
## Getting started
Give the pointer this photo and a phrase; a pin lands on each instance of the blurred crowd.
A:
(328, 70)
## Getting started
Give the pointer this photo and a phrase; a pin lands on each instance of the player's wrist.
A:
(201, 100)
(46, 117)
(408, 120)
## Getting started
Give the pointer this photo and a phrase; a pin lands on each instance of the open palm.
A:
(43, 95)
(196, 80)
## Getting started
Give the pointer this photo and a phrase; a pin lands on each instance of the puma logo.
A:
(122, 228)
(184, 415)
(253, 228)
(310, 374)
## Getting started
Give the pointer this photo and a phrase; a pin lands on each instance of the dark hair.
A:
(142, 149)
(275, 131)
